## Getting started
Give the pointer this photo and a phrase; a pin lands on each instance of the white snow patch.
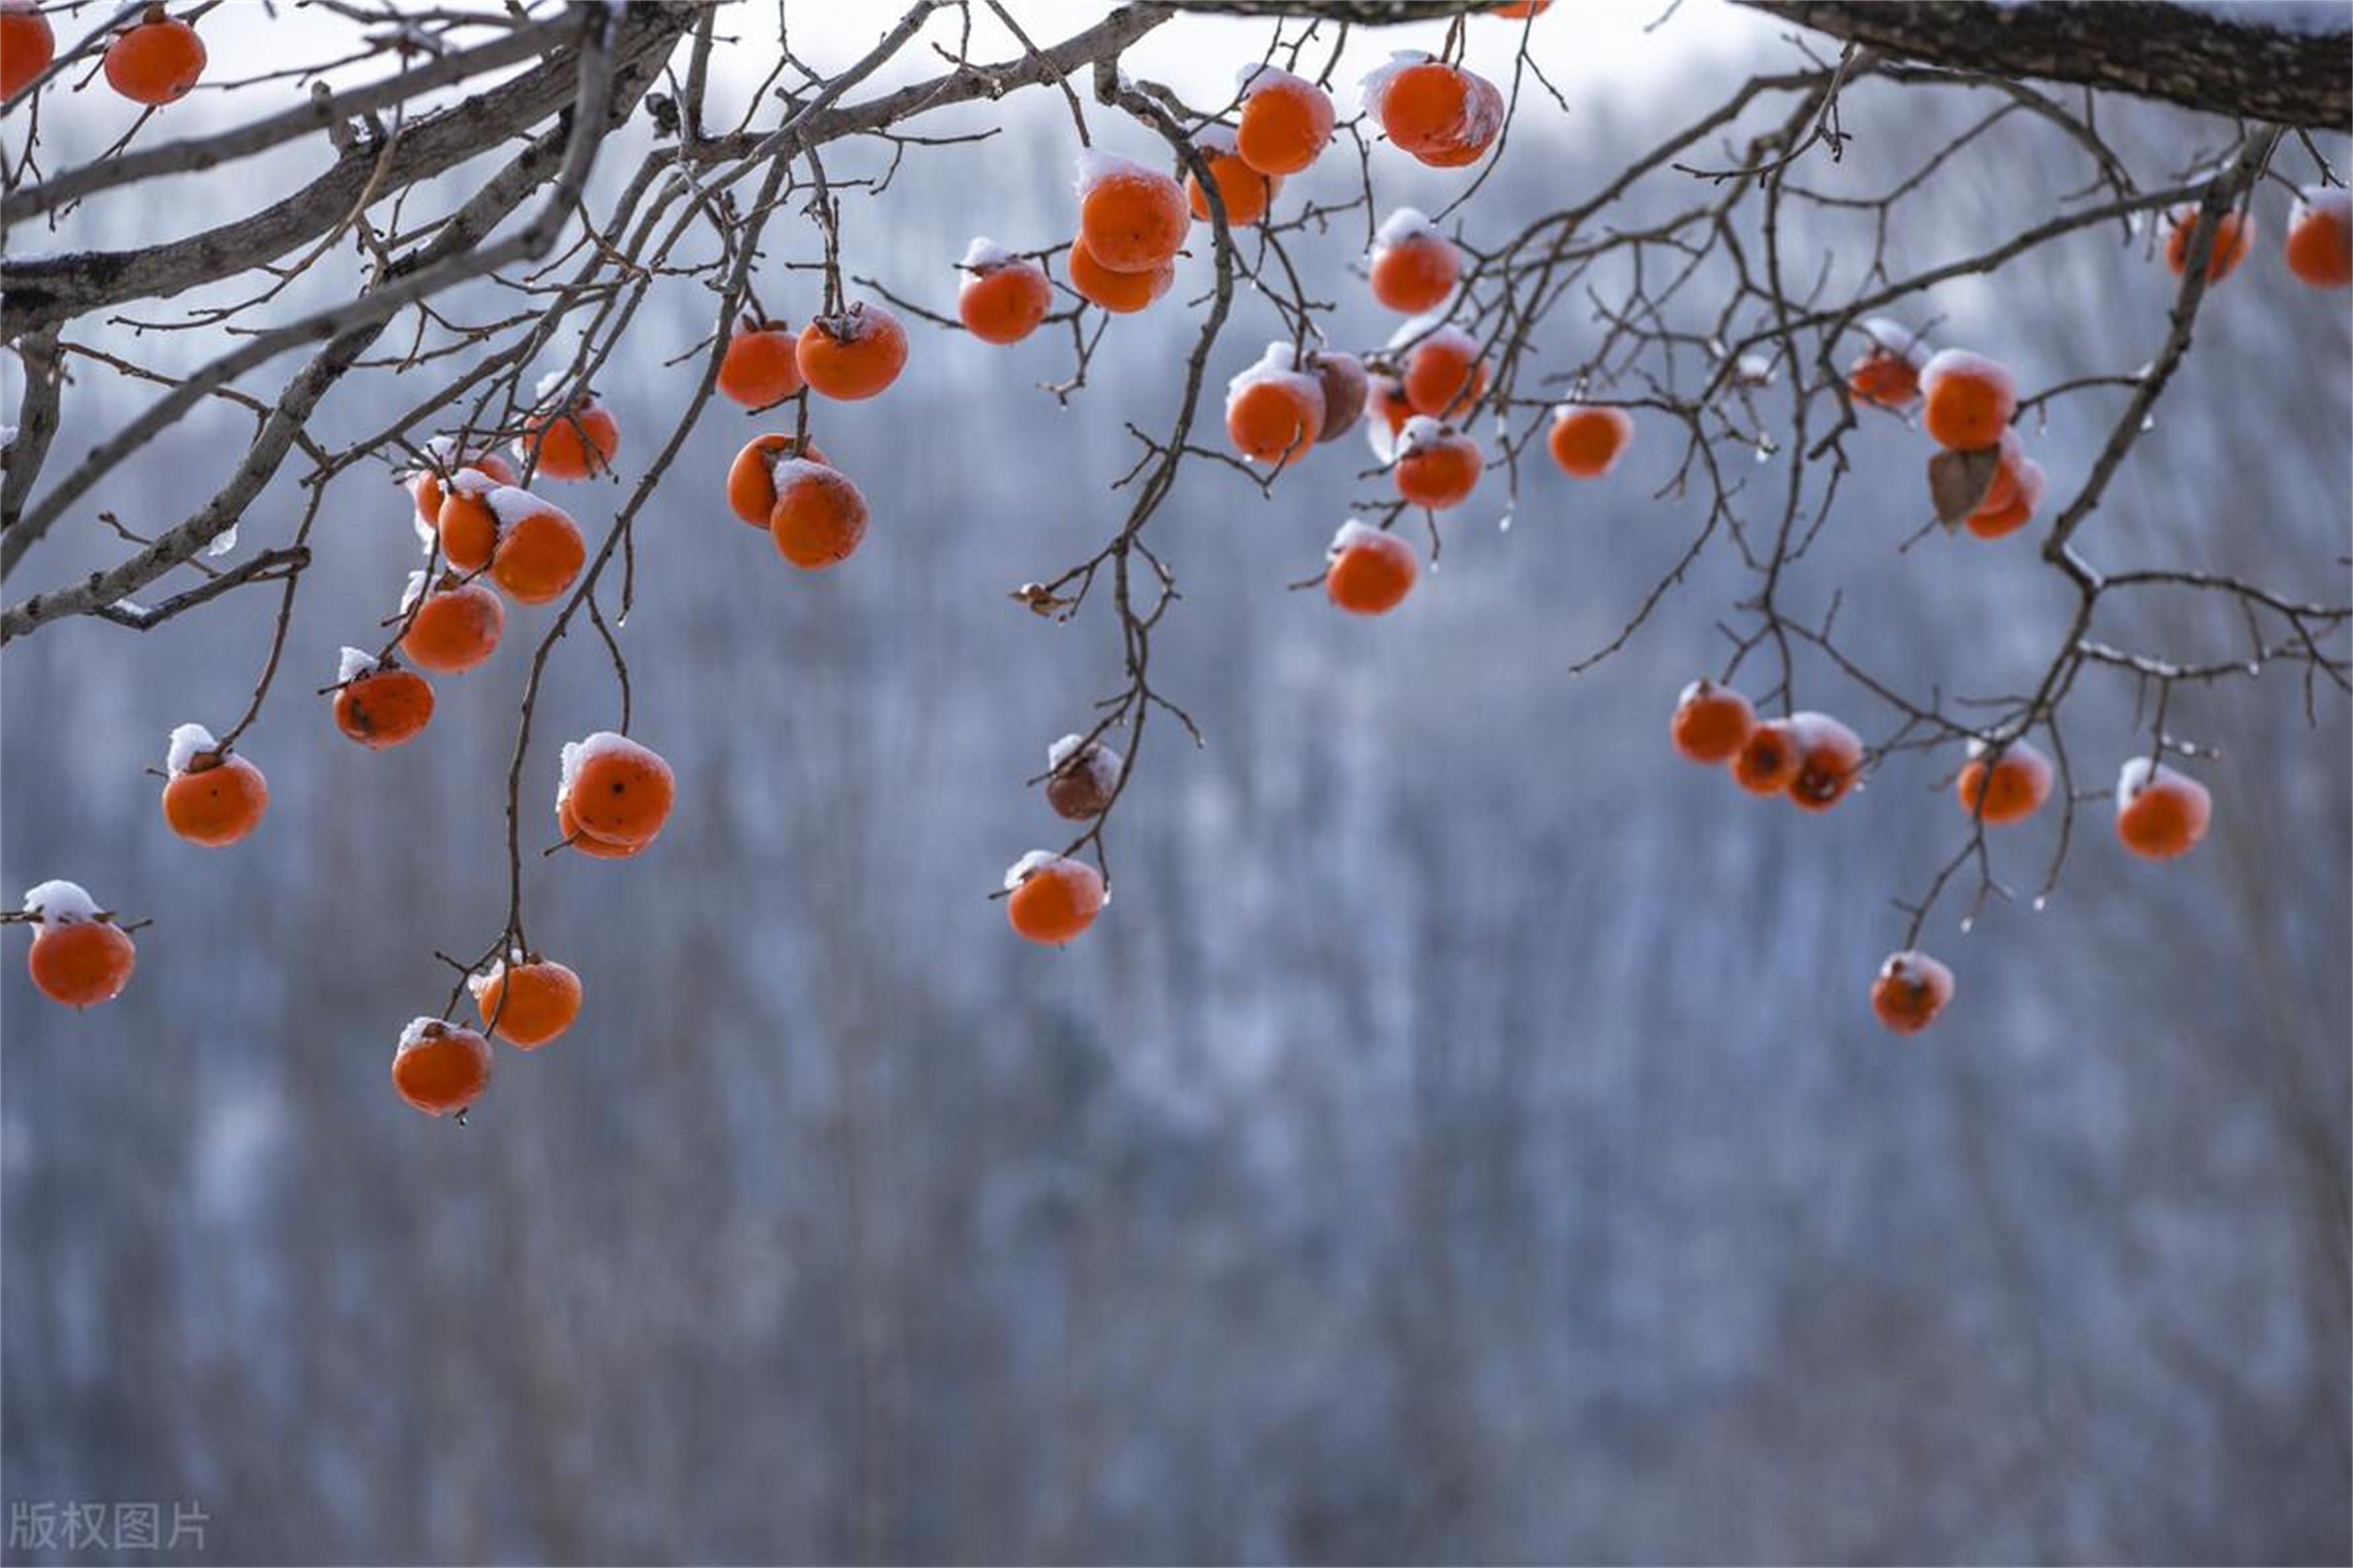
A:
(1420, 432)
(511, 503)
(1376, 80)
(579, 753)
(1894, 338)
(414, 591)
(1096, 165)
(985, 255)
(1403, 225)
(1277, 365)
(355, 662)
(188, 740)
(224, 543)
(1028, 865)
(60, 904)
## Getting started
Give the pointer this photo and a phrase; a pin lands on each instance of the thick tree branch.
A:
(2193, 57)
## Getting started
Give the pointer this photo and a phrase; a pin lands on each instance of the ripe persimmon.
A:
(1829, 761)
(456, 628)
(211, 797)
(751, 478)
(1970, 400)
(618, 792)
(1274, 412)
(1004, 297)
(27, 45)
(1437, 466)
(1712, 722)
(568, 827)
(2320, 236)
(1414, 266)
(79, 956)
(1369, 573)
(1586, 441)
(430, 492)
(761, 365)
(1286, 121)
(1081, 777)
(820, 517)
(2234, 236)
(572, 443)
(2016, 490)
(468, 523)
(1121, 293)
(1054, 898)
(440, 1068)
(540, 550)
(1910, 989)
(2160, 813)
(1887, 374)
(380, 706)
(1246, 192)
(155, 60)
(1769, 759)
(854, 354)
(1133, 219)
(1442, 114)
(526, 1003)
(2010, 788)
(1443, 372)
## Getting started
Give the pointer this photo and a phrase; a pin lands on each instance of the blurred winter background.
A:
(1463, 1139)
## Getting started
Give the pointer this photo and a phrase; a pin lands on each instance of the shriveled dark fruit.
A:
(1082, 785)
(1344, 390)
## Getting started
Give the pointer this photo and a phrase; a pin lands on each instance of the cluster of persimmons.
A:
(490, 539)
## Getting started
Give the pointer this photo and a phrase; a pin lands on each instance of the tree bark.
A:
(2225, 64)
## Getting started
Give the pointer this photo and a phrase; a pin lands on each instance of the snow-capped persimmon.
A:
(79, 956)
(1286, 121)
(618, 792)
(1586, 441)
(1829, 761)
(1712, 722)
(1442, 114)
(2003, 789)
(527, 1002)
(1053, 897)
(575, 442)
(1133, 219)
(2160, 813)
(1437, 466)
(2234, 236)
(1274, 412)
(1769, 759)
(468, 522)
(1004, 297)
(1121, 293)
(820, 517)
(27, 45)
(379, 706)
(1368, 573)
(1345, 387)
(211, 797)
(1245, 192)
(430, 492)
(1910, 989)
(1443, 372)
(2319, 248)
(1081, 777)
(854, 354)
(440, 1068)
(155, 60)
(1887, 373)
(540, 550)
(1969, 400)
(456, 628)
(751, 478)
(761, 365)
(1414, 268)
